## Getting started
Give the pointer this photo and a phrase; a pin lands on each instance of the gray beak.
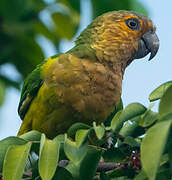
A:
(149, 43)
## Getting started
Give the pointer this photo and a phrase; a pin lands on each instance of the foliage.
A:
(136, 145)
(23, 22)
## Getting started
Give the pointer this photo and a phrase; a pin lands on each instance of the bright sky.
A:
(141, 77)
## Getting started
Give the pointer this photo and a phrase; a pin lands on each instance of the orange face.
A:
(117, 36)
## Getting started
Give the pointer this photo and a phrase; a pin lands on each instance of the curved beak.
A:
(149, 43)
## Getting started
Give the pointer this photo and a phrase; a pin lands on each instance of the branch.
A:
(102, 166)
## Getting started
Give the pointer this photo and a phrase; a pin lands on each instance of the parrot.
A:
(84, 85)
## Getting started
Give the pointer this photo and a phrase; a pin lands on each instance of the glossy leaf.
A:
(5, 144)
(81, 136)
(48, 158)
(153, 145)
(15, 161)
(31, 136)
(165, 106)
(99, 130)
(72, 151)
(131, 111)
(89, 163)
(75, 127)
(159, 91)
(148, 118)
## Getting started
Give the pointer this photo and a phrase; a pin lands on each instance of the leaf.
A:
(131, 142)
(2, 92)
(148, 118)
(100, 7)
(72, 151)
(62, 173)
(48, 158)
(64, 26)
(74, 170)
(81, 136)
(31, 136)
(99, 130)
(165, 106)
(132, 128)
(137, 6)
(75, 127)
(5, 143)
(153, 145)
(131, 111)
(141, 176)
(159, 91)
(15, 161)
(89, 163)
(113, 155)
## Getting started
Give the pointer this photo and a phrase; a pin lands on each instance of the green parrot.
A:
(84, 84)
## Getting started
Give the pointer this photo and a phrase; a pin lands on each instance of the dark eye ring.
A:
(133, 23)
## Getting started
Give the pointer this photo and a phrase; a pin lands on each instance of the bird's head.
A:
(121, 36)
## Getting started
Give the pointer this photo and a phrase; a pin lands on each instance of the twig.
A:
(102, 166)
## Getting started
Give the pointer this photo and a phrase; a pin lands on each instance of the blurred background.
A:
(31, 30)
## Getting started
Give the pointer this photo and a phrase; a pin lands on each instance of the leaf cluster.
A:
(135, 145)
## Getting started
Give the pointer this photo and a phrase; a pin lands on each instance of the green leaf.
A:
(64, 25)
(31, 136)
(148, 118)
(48, 159)
(131, 111)
(131, 142)
(5, 143)
(81, 136)
(74, 170)
(153, 145)
(100, 7)
(165, 106)
(137, 6)
(132, 128)
(115, 120)
(141, 176)
(99, 130)
(63, 174)
(72, 151)
(75, 127)
(89, 163)
(60, 138)
(159, 91)
(2, 92)
(113, 155)
(15, 161)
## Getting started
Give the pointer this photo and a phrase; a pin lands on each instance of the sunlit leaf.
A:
(159, 91)
(72, 151)
(165, 106)
(31, 136)
(131, 111)
(75, 127)
(48, 158)
(5, 143)
(153, 145)
(81, 136)
(15, 161)
(99, 130)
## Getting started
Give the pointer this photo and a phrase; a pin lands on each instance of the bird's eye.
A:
(133, 23)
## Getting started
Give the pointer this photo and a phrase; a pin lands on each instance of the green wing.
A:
(30, 88)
